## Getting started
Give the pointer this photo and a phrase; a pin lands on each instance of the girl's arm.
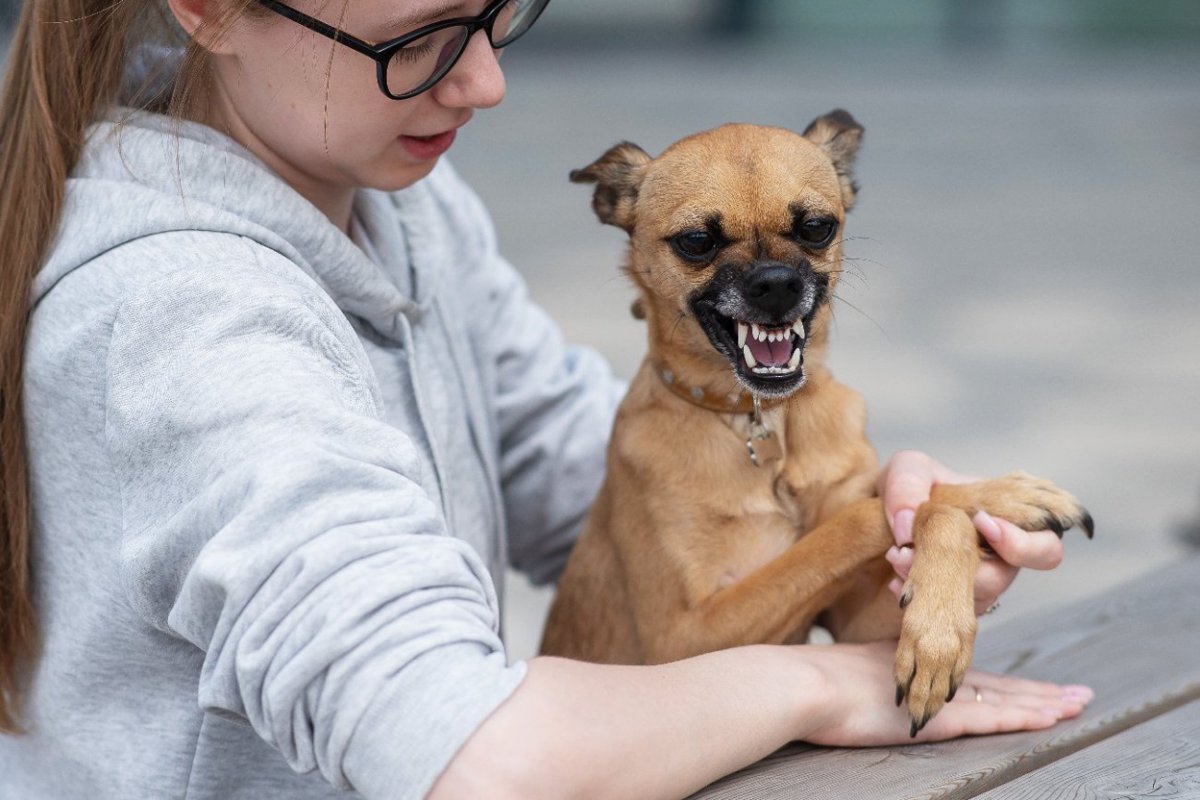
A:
(597, 731)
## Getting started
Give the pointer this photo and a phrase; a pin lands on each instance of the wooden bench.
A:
(1137, 645)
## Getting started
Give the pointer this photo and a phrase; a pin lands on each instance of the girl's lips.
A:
(428, 147)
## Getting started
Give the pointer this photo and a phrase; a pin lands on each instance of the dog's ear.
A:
(617, 175)
(839, 135)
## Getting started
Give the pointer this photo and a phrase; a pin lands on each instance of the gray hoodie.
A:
(275, 480)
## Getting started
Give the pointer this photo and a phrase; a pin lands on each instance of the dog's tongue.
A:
(771, 354)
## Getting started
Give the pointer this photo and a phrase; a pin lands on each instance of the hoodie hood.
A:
(141, 174)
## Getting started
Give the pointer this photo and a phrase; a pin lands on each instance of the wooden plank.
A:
(1135, 644)
(1159, 758)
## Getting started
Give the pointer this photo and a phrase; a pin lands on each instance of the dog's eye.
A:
(695, 245)
(817, 232)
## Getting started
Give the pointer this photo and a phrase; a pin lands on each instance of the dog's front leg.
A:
(937, 633)
(786, 594)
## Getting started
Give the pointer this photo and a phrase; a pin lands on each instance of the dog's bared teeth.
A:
(756, 332)
(743, 329)
(799, 328)
(794, 361)
(750, 362)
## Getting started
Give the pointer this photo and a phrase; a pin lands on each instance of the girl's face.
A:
(312, 109)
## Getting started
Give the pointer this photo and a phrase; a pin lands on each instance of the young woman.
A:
(275, 415)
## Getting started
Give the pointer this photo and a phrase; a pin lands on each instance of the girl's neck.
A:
(334, 201)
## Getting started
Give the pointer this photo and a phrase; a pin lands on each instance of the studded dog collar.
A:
(763, 445)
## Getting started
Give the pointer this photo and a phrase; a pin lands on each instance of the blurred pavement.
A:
(1025, 246)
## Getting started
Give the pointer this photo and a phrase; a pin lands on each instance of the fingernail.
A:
(987, 526)
(1077, 694)
(902, 526)
(895, 586)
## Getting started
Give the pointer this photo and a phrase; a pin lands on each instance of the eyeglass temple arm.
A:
(313, 24)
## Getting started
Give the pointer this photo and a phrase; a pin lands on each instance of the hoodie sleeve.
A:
(554, 403)
(276, 522)
(555, 406)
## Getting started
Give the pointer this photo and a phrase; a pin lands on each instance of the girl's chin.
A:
(396, 175)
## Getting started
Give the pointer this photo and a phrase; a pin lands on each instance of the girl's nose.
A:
(476, 81)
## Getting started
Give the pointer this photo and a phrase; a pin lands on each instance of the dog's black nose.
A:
(776, 289)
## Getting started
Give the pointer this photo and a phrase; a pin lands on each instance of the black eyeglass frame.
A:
(382, 53)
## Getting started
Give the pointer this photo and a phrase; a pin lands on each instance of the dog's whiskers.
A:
(866, 316)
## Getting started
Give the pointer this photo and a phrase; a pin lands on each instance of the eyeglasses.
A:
(413, 63)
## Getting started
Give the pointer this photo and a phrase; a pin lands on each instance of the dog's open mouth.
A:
(769, 350)
(768, 358)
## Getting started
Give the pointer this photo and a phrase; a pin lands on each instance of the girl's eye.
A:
(695, 245)
(817, 232)
(416, 51)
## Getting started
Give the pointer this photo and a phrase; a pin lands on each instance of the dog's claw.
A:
(953, 691)
(912, 732)
(1089, 527)
(907, 687)
(906, 597)
(1053, 524)
(899, 695)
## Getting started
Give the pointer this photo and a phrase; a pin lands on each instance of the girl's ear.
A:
(197, 18)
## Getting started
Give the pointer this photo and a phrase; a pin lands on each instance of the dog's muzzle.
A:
(759, 318)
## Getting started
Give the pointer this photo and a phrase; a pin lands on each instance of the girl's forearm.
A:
(593, 731)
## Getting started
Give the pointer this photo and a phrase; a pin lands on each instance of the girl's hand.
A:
(905, 483)
(858, 711)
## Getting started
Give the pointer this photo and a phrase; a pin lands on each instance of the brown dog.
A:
(739, 503)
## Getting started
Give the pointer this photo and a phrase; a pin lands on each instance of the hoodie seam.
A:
(101, 253)
(112, 466)
(348, 365)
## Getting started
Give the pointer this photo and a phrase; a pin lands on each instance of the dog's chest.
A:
(765, 465)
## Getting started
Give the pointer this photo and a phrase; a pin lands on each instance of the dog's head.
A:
(735, 241)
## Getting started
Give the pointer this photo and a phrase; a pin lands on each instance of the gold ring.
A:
(978, 695)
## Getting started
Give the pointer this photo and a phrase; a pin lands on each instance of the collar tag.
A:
(763, 445)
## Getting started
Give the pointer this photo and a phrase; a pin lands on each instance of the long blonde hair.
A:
(65, 67)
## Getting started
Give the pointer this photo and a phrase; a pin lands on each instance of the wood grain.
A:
(1137, 645)
(1159, 758)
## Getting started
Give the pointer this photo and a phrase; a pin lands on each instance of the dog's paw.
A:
(937, 633)
(1028, 502)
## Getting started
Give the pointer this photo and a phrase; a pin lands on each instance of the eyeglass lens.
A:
(423, 61)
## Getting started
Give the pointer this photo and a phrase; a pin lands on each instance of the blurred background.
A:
(1026, 286)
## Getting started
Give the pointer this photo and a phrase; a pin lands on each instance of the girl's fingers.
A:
(905, 483)
(1058, 703)
(993, 577)
(1010, 685)
(988, 703)
(1020, 548)
(980, 719)
(901, 559)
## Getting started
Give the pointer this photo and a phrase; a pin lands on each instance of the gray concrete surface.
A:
(1025, 251)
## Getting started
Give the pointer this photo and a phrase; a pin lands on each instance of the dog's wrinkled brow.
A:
(710, 222)
(806, 208)
(713, 223)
